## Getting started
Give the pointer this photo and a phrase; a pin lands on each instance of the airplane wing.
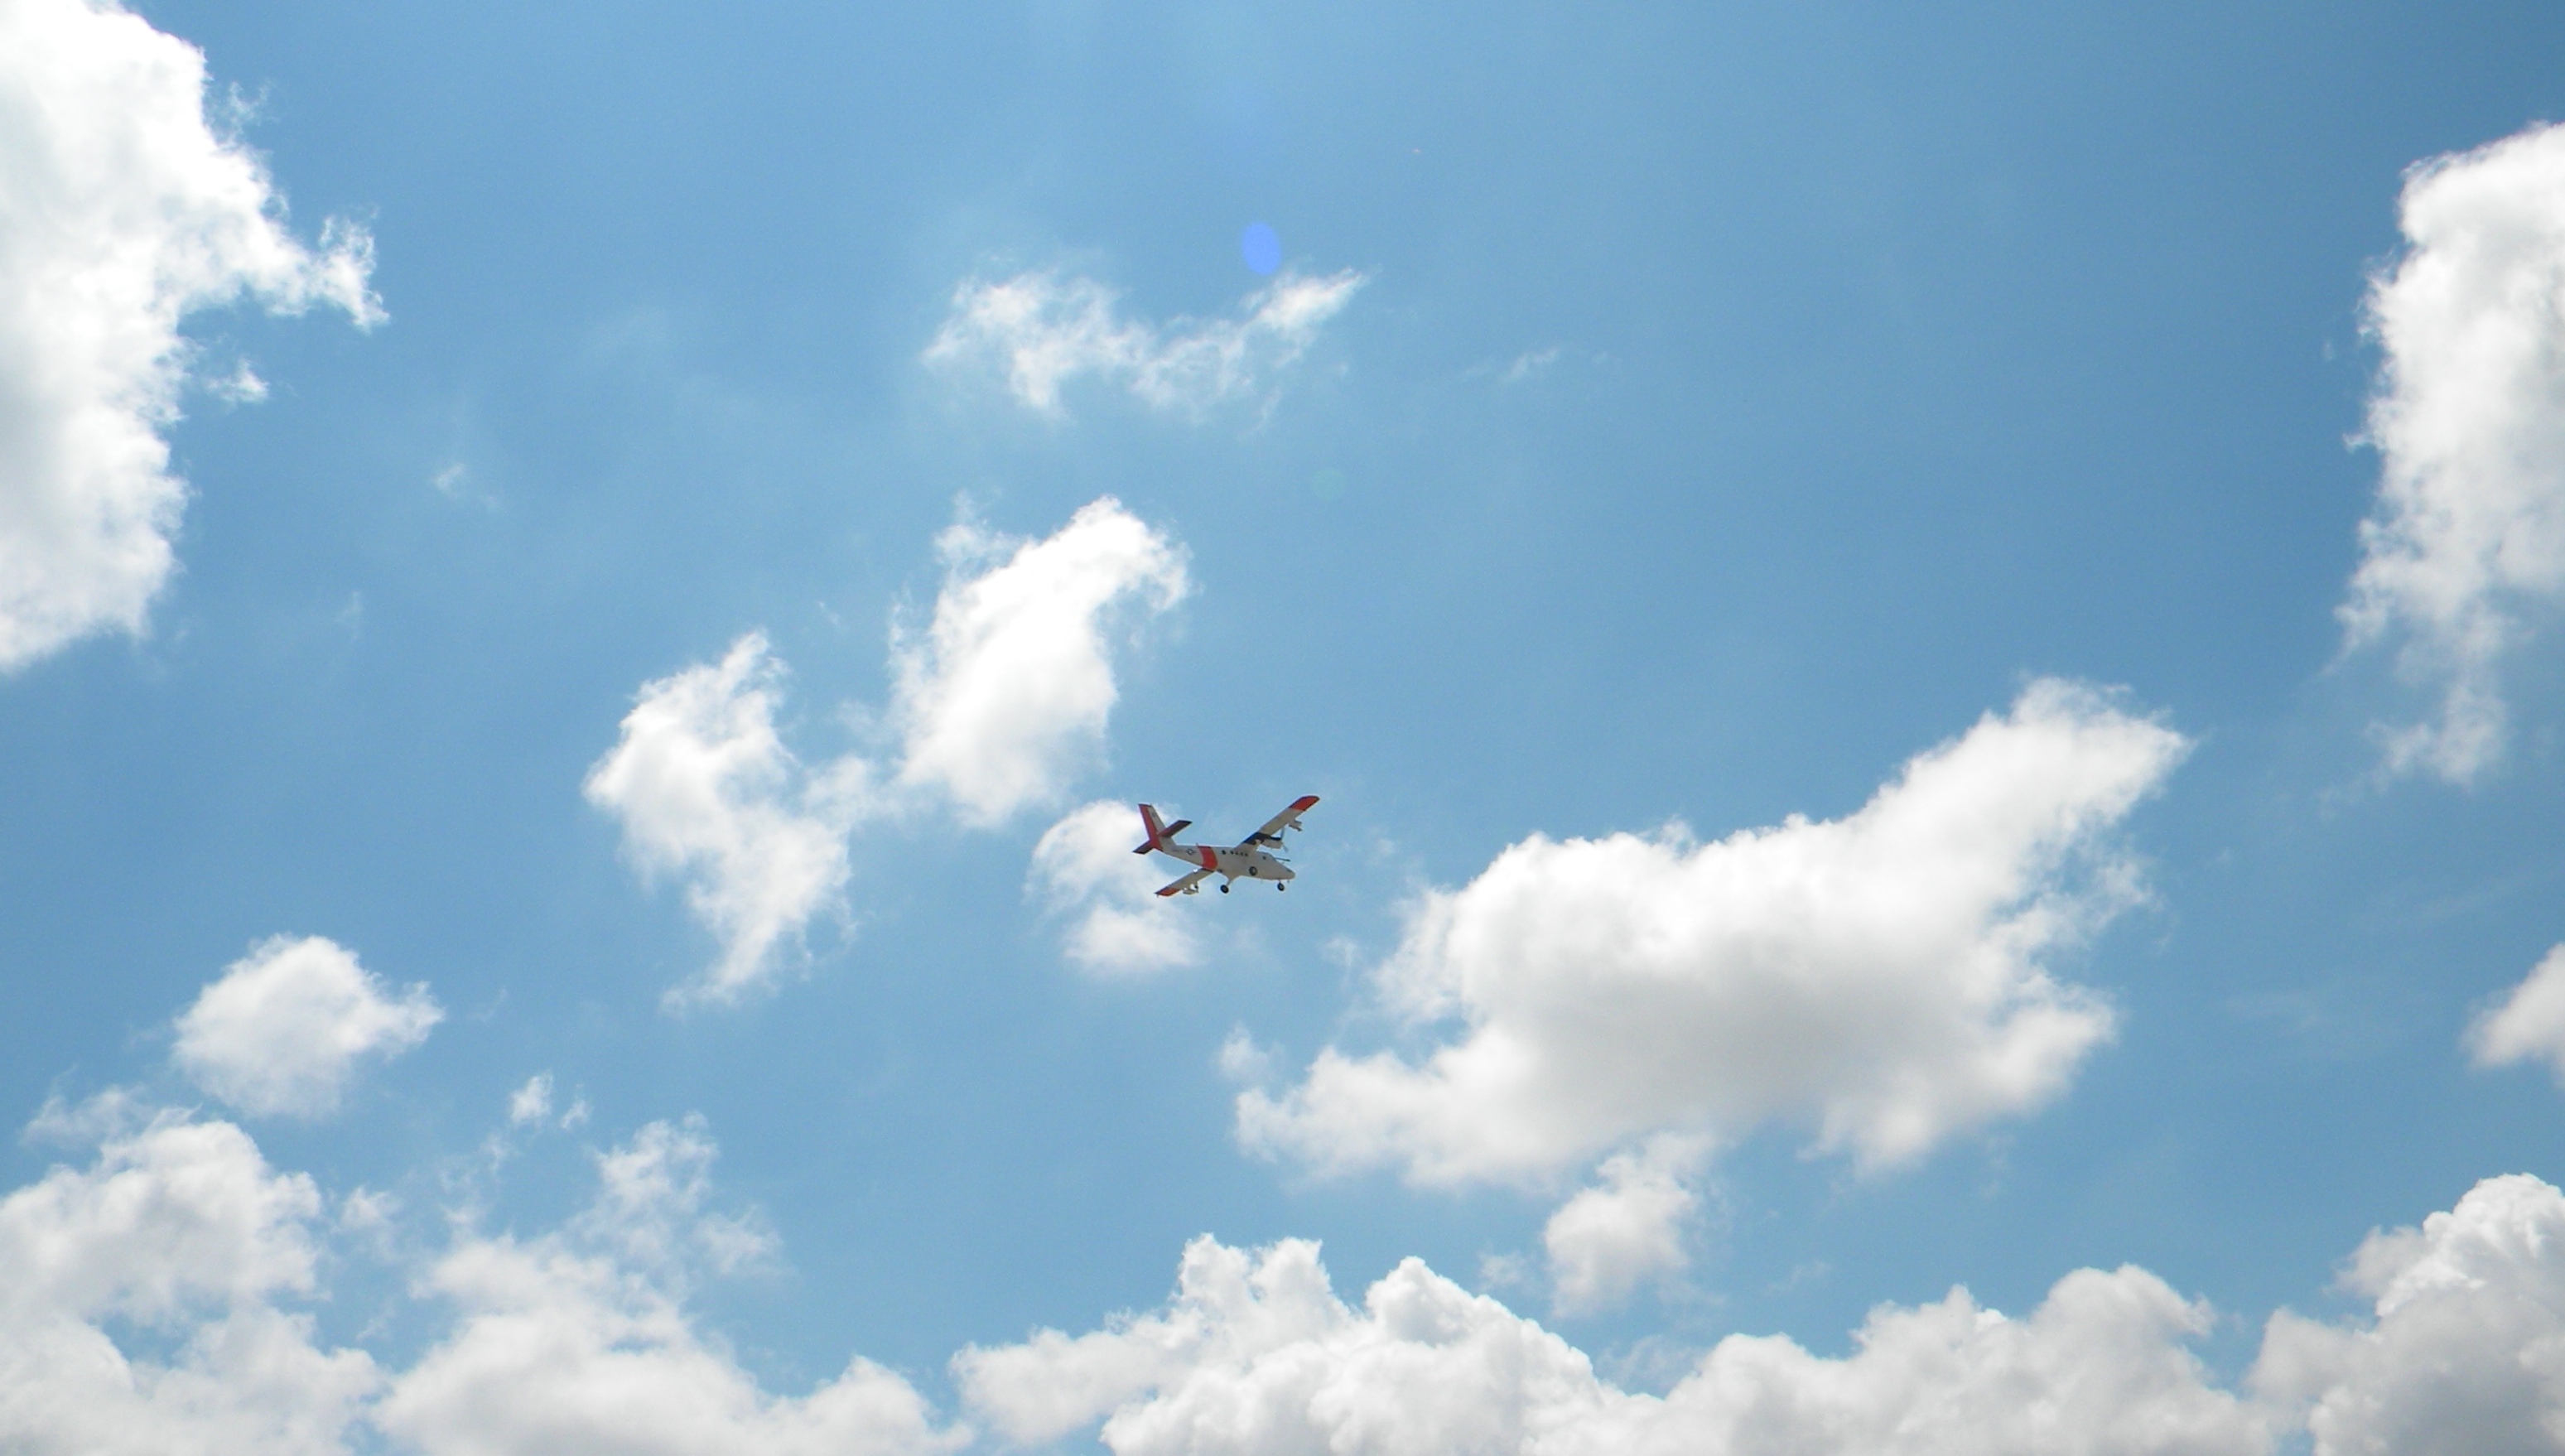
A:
(1288, 819)
(1184, 883)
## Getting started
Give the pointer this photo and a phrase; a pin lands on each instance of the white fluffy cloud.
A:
(1881, 975)
(2465, 1348)
(180, 1233)
(147, 1305)
(1006, 692)
(998, 703)
(580, 1339)
(1255, 1354)
(2530, 1023)
(706, 790)
(2469, 424)
(284, 1031)
(1085, 870)
(1045, 329)
(125, 211)
(1626, 1229)
(179, 1238)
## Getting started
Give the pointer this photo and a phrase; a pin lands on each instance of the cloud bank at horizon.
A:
(161, 1297)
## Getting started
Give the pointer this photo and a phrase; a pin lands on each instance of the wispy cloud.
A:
(1530, 365)
(1046, 330)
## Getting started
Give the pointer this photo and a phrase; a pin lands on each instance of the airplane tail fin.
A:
(1158, 830)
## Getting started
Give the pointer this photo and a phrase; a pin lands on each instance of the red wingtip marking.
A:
(1304, 802)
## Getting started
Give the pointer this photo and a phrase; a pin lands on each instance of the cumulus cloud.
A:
(285, 1030)
(149, 1306)
(580, 1339)
(177, 1237)
(1085, 870)
(706, 790)
(1044, 330)
(1006, 692)
(2469, 532)
(2529, 1023)
(149, 1303)
(998, 703)
(2465, 1345)
(1882, 975)
(124, 212)
(1626, 1229)
(1256, 1354)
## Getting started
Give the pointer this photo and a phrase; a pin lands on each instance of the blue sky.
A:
(1662, 424)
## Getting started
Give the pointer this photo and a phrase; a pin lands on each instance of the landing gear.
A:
(1279, 887)
(1223, 887)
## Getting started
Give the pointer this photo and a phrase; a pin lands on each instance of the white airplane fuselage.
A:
(1228, 864)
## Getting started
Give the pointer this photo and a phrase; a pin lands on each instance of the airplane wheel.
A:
(1280, 887)
(1224, 889)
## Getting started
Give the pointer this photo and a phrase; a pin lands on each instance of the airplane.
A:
(1248, 857)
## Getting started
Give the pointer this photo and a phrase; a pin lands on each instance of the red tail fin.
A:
(1157, 831)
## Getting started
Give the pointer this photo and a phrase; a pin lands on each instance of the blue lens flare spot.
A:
(1261, 250)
